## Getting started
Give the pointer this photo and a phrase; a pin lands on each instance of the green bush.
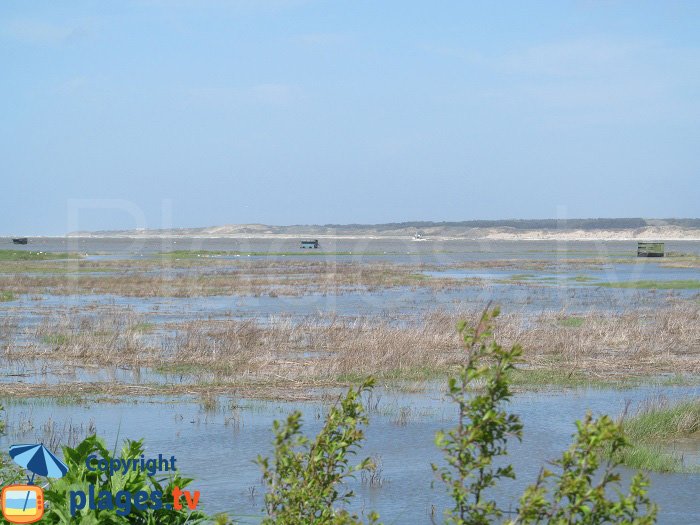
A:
(483, 429)
(79, 477)
(585, 490)
(582, 492)
(304, 479)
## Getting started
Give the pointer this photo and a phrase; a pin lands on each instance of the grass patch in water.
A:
(418, 373)
(656, 426)
(23, 255)
(179, 368)
(571, 322)
(53, 270)
(6, 296)
(651, 458)
(54, 339)
(521, 277)
(556, 377)
(549, 377)
(143, 327)
(581, 279)
(681, 284)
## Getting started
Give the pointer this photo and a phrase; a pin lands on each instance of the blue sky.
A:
(202, 112)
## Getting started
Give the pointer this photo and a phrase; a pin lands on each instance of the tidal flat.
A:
(218, 337)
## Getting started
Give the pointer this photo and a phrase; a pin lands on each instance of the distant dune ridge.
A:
(509, 229)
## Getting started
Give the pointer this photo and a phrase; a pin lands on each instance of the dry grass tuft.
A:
(323, 349)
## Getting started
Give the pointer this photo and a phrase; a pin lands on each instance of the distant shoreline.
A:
(527, 235)
(620, 229)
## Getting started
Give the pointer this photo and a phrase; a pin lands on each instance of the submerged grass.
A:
(654, 430)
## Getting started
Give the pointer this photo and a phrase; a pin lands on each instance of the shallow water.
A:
(408, 302)
(609, 273)
(403, 440)
(218, 446)
(556, 287)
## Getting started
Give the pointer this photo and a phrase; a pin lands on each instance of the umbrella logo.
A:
(25, 503)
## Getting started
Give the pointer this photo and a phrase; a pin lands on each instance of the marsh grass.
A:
(54, 339)
(323, 349)
(581, 279)
(681, 260)
(211, 273)
(212, 277)
(653, 430)
(572, 322)
(25, 255)
(548, 378)
(144, 327)
(6, 296)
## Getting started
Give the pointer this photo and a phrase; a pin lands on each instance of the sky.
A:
(188, 113)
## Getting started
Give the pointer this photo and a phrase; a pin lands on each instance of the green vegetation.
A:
(584, 490)
(184, 254)
(521, 277)
(80, 478)
(654, 429)
(581, 279)
(6, 296)
(687, 284)
(484, 426)
(66, 268)
(22, 255)
(532, 378)
(143, 327)
(304, 477)
(392, 377)
(55, 339)
(571, 322)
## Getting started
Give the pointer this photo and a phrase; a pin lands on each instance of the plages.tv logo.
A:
(25, 503)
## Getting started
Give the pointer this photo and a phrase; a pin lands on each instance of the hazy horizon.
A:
(150, 114)
(563, 223)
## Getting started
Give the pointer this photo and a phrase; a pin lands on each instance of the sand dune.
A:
(435, 231)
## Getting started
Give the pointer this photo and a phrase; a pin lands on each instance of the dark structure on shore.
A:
(20, 240)
(650, 249)
(310, 244)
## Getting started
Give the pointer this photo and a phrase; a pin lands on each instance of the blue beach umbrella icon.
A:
(38, 460)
